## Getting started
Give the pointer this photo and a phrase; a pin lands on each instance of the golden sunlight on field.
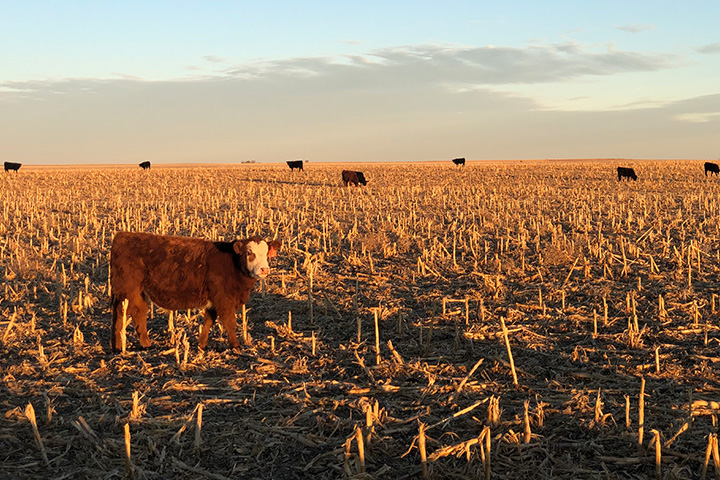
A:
(519, 320)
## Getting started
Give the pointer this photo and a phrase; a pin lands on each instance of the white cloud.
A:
(410, 102)
(697, 117)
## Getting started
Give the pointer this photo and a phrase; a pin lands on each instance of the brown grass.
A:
(304, 402)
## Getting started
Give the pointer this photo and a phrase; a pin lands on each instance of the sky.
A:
(170, 81)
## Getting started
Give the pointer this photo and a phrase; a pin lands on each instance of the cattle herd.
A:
(549, 259)
(348, 176)
(187, 273)
(629, 173)
(357, 178)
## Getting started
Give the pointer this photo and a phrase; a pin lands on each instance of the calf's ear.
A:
(238, 246)
(273, 248)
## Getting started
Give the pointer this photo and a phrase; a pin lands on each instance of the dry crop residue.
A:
(602, 286)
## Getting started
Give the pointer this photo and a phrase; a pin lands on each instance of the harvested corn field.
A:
(498, 320)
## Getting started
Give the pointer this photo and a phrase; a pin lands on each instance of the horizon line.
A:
(363, 162)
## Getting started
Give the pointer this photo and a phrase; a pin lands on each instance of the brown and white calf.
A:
(184, 273)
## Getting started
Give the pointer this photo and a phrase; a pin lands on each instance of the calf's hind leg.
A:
(137, 309)
(210, 316)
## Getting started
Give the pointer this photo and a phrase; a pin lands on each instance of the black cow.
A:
(293, 164)
(348, 176)
(145, 165)
(626, 172)
(712, 168)
(459, 161)
(12, 166)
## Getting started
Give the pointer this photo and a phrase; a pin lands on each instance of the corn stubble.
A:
(499, 321)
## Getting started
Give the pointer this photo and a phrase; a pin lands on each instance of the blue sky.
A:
(230, 81)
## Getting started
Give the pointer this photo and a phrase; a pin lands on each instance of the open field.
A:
(604, 288)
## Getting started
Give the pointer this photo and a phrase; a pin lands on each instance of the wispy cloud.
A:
(418, 66)
(709, 48)
(434, 65)
(214, 59)
(410, 102)
(697, 117)
(635, 28)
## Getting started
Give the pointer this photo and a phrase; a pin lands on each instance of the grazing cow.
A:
(184, 273)
(626, 172)
(712, 168)
(293, 164)
(459, 161)
(12, 166)
(145, 165)
(348, 176)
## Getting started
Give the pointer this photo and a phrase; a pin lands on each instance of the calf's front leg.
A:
(227, 319)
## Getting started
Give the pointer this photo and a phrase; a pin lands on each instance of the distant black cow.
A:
(145, 165)
(712, 168)
(348, 176)
(293, 164)
(459, 161)
(12, 166)
(626, 172)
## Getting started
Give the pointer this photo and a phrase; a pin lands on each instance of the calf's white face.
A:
(256, 255)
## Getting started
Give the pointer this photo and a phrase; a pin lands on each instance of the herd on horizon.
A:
(176, 272)
(357, 177)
